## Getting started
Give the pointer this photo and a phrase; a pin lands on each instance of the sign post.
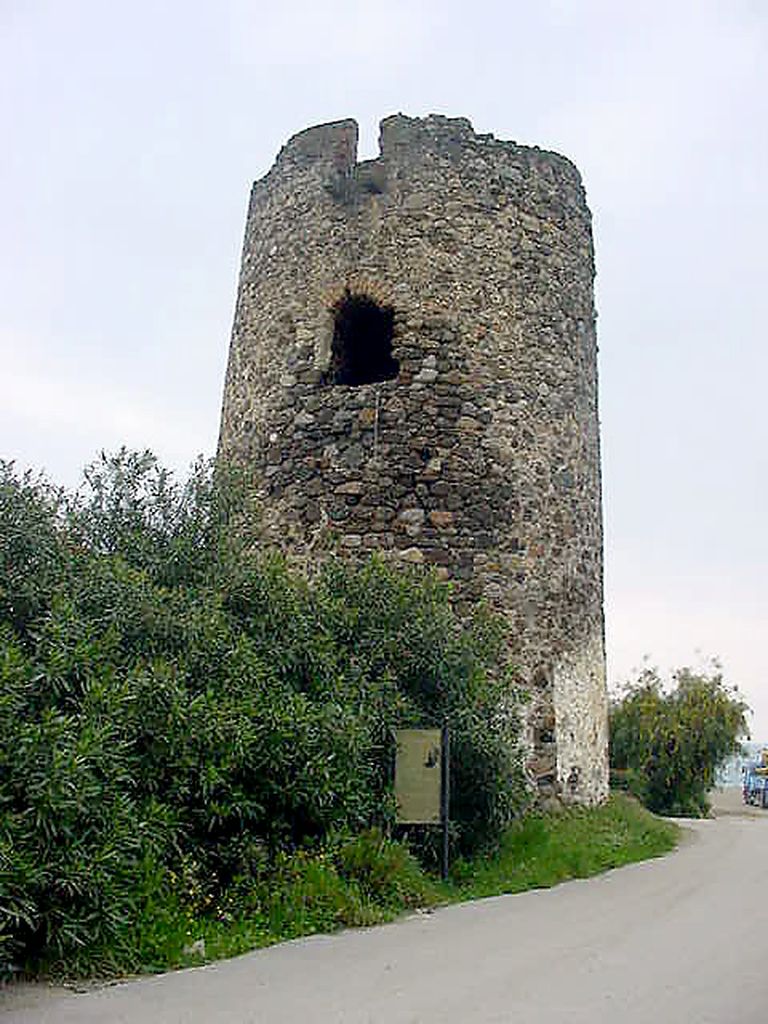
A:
(422, 784)
(445, 796)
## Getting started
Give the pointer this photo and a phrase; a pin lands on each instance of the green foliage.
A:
(387, 873)
(129, 505)
(667, 746)
(32, 555)
(347, 882)
(184, 723)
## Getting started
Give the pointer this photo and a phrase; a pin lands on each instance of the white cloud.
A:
(55, 400)
(305, 33)
(673, 631)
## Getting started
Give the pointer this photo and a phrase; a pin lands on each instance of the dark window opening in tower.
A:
(361, 352)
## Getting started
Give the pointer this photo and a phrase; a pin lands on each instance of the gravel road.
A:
(671, 941)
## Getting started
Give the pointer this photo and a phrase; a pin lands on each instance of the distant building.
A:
(732, 772)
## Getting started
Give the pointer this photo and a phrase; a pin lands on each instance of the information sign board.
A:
(418, 776)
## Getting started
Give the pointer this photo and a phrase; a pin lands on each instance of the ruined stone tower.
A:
(413, 370)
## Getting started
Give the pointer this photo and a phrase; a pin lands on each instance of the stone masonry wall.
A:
(481, 457)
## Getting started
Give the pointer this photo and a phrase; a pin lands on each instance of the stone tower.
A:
(413, 370)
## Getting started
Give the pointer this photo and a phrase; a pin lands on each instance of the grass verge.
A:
(543, 849)
(370, 880)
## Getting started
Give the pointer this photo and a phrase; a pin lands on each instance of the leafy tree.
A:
(667, 746)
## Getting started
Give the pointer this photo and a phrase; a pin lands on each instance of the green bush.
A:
(386, 872)
(33, 558)
(181, 717)
(666, 747)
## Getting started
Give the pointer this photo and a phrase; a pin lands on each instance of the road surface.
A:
(670, 941)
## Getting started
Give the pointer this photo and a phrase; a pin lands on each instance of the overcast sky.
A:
(130, 134)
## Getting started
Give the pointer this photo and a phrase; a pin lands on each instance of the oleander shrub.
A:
(181, 716)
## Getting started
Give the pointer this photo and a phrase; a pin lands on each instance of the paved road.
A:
(677, 940)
